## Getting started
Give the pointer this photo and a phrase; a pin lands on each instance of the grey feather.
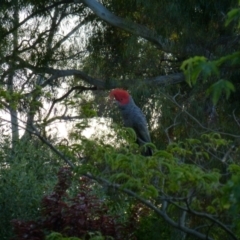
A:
(133, 117)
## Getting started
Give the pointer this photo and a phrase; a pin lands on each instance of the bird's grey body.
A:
(134, 118)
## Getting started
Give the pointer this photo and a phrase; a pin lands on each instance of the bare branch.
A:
(147, 203)
(52, 30)
(173, 78)
(31, 16)
(196, 120)
(128, 26)
(227, 153)
(60, 73)
(79, 88)
(62, 117)
(167, 129)
(235, 118)
(60, 154)
(207, 216)
(69, 34)
(100, 84)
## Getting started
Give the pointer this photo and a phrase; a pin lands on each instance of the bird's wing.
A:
(143, 137)
(142, 132)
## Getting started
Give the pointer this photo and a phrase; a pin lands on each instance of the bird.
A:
(133, 117)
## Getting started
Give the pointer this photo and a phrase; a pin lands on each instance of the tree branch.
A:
(162, 213)
(60, 154)
(100, 84)
(207, 216)
(42, 10)
(80, 88)
(147, 203)
(69, 34)
(196, 120)
(63, 117)
(131, 27)
(173, 78)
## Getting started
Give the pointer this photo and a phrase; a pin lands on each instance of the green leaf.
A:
(133, 184)
(232, 15)
(193, 141)
(219, 88)
(192, 68)
(211, 209)
(150, 191)
(234, 168)
(131, 134)
(120, 177)
(164, 154)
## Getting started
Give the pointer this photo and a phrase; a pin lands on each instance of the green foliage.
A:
(88, 111)
(152, 227)
(25, 175)
(220, 87)
(198, 66)
(58, 236)
(233, 15)
(184, 166)
(194, 66)
(190, 161)
(86, 214)
(231, 198)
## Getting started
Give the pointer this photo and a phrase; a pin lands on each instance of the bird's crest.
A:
(120, 95)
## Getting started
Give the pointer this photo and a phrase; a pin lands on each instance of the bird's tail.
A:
(147, 152)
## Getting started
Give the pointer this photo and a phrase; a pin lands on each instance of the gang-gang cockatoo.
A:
(133, 117)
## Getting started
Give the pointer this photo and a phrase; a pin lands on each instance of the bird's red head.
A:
(122, 96)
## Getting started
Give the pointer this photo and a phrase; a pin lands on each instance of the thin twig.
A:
(192, 117)
(235, 118)
(64, 96)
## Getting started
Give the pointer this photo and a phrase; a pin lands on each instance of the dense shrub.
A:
(27, 172)
(78, 216)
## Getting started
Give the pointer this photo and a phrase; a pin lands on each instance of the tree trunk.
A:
(10, 84)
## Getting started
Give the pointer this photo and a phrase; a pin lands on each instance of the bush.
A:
(83, 215)
(26, 173)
